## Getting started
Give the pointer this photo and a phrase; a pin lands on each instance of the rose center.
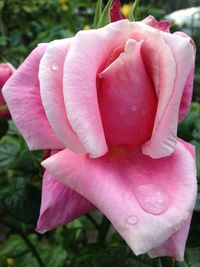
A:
(127, 98)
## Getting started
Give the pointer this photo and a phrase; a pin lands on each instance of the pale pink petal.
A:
(163, 140)
(175, 245)
(162, 25)
(22, 95)
(187, 95)
(51, 89)
(188, 90)
(127, 98)
(87, 56)
(146, 200)
(60, 205)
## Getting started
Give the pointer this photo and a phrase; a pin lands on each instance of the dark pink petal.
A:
(115, 11)
(6, 70)
(127, 98)
(60, 205)
(22, 94)
(162, 25)
(87, 56)
(146, 200)
(51, 89)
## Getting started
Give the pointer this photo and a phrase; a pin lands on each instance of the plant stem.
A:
(32, 248)
(26, 240)
(92, 220)
(133, 11)
(103, 229)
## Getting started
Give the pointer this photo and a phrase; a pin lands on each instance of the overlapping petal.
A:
(60, 205)
(22, 95)
(51, 89)
(144, 198)
(175, 245)
(87, 56)
(125, 99)
(170, 83)
(162, 25)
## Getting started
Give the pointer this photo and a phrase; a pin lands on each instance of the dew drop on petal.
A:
(132, 219)
(152, 199)
(54, 66)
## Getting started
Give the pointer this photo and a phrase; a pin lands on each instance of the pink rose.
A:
(107, 103)
(6, 70)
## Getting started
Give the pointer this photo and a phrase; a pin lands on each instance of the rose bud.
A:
(6, 70)
(115, 11)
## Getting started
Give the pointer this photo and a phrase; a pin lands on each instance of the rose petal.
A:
(163, 140)
(127, 97)
(188, 90)
(51, 89)
(175, 245)
(87, 56)
(162, 25)
(22, 95)
(60, 205)
(146, 200)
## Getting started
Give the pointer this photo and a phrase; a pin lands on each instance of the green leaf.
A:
(197, 147)
(23, 203)
(3, 127)
(185, 130)
(197, 206)
(98, 13)
(8, 154)
(53, 256)
(13, 246)
(196, 131)
(192, 257)
(133, 11)
(105, 17)
(118, 256)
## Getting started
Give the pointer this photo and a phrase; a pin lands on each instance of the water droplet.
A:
(54, 66)
(132, 220)
(133, 108)
(144, 112)
(152, 199)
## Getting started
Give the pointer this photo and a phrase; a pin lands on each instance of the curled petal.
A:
(162, 25)
(132, 189)
(170, 86)
(87, 56)
(22, 95)
(51, 89)
(188, 89)
(60, 204)
(175, 244)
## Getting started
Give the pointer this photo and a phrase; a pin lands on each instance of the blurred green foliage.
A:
(24, 24)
